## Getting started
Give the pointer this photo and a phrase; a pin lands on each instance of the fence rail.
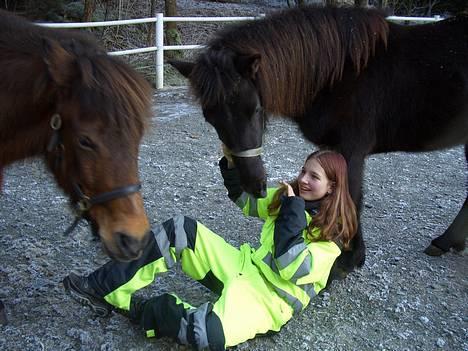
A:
(159, 20)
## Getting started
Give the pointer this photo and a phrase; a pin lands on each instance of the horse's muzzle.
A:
(127, 248)
(257, 189)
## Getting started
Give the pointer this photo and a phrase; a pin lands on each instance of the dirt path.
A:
(400, 300)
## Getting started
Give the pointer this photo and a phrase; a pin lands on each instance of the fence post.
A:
(160, 51)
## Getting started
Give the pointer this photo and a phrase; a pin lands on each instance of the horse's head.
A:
(100, 112)
(226, 88)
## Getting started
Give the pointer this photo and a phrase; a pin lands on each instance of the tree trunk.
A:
(172, 35)
(89, 7)
(430, 6)
(361, 3)
(150, 36)
(381, 4)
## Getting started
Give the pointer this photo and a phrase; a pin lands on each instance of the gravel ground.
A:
(400, 300)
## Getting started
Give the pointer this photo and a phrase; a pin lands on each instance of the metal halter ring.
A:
(84, 204)
(56, 122)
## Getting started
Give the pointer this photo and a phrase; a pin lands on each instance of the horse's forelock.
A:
(120, 95)
(214, 78)
(104, 84)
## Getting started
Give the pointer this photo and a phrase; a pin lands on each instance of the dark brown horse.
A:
(352, 82)
(64, 99)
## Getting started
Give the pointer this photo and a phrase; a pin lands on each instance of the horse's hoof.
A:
(3, 317)
(340, 274)
(360, 261)
(433, 250)
(337, 273)
(459, 247)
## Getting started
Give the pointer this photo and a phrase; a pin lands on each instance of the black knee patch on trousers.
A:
(169, 319)
(162, 314)
(215, 333)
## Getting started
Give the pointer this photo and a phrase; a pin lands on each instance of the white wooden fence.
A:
(159, 42)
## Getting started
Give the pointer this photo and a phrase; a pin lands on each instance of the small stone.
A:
(440, 342)
(400, 308)
(424, 319)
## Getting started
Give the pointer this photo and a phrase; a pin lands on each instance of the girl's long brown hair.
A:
(336, 217)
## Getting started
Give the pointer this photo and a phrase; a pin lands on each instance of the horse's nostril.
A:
(129, 246)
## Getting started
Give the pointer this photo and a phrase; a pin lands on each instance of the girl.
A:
(307, 223)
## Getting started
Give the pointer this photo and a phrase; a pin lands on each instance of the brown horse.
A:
(63, 98)
(351, 81)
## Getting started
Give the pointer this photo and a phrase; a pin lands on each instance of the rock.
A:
(424, 319)
(440, 342)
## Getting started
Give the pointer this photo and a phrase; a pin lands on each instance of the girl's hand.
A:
(289, 191)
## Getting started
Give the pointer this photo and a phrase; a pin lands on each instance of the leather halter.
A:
(84, 203)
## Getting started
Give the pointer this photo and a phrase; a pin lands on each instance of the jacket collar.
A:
(313, 206)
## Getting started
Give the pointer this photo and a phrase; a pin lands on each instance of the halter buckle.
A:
(83, 204)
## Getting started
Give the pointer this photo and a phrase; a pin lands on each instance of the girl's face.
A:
(312, 181)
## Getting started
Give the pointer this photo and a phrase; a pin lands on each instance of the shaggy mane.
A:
(310, 42)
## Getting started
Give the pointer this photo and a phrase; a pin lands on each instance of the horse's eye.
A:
(86, 143)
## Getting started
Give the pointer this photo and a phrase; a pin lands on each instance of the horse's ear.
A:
(248, 65)
(60, 63)
(184, 67)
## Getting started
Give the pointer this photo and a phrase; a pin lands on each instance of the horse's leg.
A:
(356, 255)
(3, 318)
(1, 179)
(456, 234)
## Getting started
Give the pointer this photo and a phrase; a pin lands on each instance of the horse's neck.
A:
(20, 141)
(25, 110)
